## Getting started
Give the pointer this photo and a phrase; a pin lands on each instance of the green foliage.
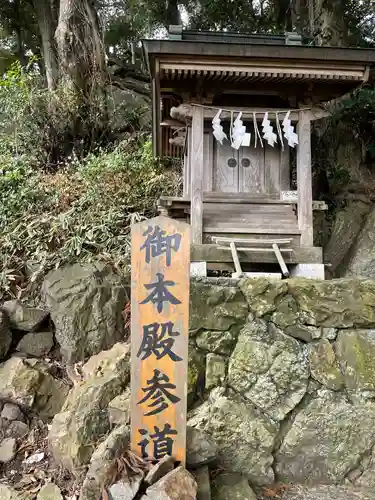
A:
(79, 213)
(357, 114)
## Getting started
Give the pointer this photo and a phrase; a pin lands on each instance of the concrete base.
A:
(313, 271)
(198, 269)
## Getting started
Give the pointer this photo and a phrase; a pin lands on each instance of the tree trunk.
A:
(329, 23)
(81, 47)
(47, 25)
(172, 16)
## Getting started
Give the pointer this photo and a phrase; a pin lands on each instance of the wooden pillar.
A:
(304, 180)
(155, 127)
(156, 114)
(197, 165)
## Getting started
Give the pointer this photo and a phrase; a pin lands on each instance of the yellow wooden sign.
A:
(159, 337)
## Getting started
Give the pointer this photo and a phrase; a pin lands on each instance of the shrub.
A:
(79, 213)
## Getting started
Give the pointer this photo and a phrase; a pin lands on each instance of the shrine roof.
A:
(188, 54)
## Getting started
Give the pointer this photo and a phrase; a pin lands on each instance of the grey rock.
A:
(86, 303)
(50, 491)
(329, 333)
(84, 420)
(324, 366)
(327, 492)
(5, 335)
(12, 412)
(178, 484)
(31, 385)
(202, 478)
(125, 489)
(362, 261)
(165, 465)
(326, 440)
(269, 369)
(263, 295)
(102, 460)
(23, 317)
(17, 429)
(4, 424)
(367, 466)
(8, 493)
(7, 450)
(119, 408)
(233, 487)
(355, 351)
(196, 372)
(36, 344)
(215, 307)
(307, 333)
(216, 370)
(335, 304)
(201, 449)
(217, 342)
(354, 475)
(245, 437)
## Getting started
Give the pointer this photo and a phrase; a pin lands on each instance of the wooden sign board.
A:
(159, 337)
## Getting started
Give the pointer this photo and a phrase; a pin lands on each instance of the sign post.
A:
(159, 337)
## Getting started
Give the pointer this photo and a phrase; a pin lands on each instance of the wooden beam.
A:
(185, 112)
(212, 253)
(155, 128)
(304, 181)
(197, 164)
(280, 260)
(236, 260)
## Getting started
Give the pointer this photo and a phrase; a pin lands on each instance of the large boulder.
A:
(215, 307)
(362, 260)
(245, 437)
(329, 304)
(29, 383)
(269, 369)
(23, 317)
(86, 303)
(355, 351)
(326, 440)
(336, 303)
(5, 335)
(102, 461)
(84, 418)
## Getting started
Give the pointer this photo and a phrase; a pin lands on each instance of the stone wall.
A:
(282, 378)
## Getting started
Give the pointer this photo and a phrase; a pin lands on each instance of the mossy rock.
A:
(215, 307)
(355, 350)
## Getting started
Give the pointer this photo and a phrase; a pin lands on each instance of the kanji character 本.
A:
(158, 392)
(163, 443)
(160, 293)
(159, 344)
(158, 242)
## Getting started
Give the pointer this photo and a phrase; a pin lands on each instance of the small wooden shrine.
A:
(238, 110)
